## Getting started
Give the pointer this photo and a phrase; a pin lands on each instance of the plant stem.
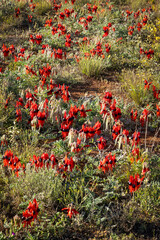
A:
(146, 133)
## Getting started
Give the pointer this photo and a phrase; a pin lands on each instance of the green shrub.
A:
(92, 66)
(133, 84)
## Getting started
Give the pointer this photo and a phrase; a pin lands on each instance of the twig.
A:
(154, 139)
(146, 133)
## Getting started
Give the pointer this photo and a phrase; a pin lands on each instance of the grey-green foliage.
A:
(43, 185)
(149, 199)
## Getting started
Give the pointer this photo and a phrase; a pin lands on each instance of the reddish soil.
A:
(98, 87)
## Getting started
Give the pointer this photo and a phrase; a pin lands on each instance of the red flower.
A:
(71, 211)
(30, 18)
(94, 9)
(65, 93)
(56, 7)
(158, 110)
(83, 111)
(135, 138)
(68, 40)
(5, 50)
(74, 111)
(47, 160)
(135, 183)
(65, 130)
(35, 161)
(136, 14)
(44, 47)
(116, 130)
(68, 120)
(38, 39)
(147, 84)
(107, 47)
(149, 53)
(97, 128)
(156, 93)
(130, 30)
(12, 162)
(27, 218)
(17, 12)
(68, 163)
(133, 115)
(125, 135)
(75, 147)
(135, 155)
(33, 110)
(54, 30)
(61, 15)
(48, 22)
(31, 38)
(107, 97)
(32, 6)
(91, 131)
(30, 70)
(101, 143)
(89, 7)
(144, 20)
(77, 32)
(139, 26)
(145, 170)
(108, 163)
(141, 51)
(144, 116)
(53, 160)
(62, 29)
(128, 13)
(116, 112)
(89, 18)
(58, 53)
(7, 157)
(103, 109)
(30, 213)
(12, 49)
(18, 115)
(7, 102)
(41, 116)
(86, 129)
(106, 31)
(19, 102)
(67, 12)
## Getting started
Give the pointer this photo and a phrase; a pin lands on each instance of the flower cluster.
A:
(144, 117)
(43, 161)
(37, 39)
(60, 29)
(12, 162)
(91, 131)
(133, 115)
(108, 163)
(148, 53)
(108, 107)
(101, 143)
(30, 213)
(156, 92)
(135, 183)
(106, 30)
